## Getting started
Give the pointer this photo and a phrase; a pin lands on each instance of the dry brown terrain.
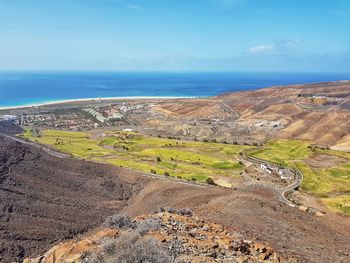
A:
(317, 112)
(185, 238)
(45, 199)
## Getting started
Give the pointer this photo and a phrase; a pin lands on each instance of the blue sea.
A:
(25, 88)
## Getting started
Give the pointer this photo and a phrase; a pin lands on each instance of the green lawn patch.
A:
(317, 181)
(183, 159)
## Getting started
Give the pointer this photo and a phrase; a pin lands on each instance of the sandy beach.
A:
(104, 99)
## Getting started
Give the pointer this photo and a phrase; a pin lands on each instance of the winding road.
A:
(282, 190)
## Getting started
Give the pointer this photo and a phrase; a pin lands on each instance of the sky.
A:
(175, 35)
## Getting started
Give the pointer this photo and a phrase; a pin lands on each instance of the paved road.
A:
(284, 190)
(226, 108)
(37, 145)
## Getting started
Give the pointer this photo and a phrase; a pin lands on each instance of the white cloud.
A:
(277, 47)
(261, 49)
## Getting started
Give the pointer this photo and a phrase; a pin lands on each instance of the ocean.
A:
(27, 88)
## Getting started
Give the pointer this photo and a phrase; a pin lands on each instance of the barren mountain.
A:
(318, 112)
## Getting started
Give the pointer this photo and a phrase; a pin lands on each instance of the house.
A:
(285, 174)
(266, 168)
(115, 117)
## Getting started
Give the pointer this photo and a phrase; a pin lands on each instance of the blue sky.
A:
(175, 35)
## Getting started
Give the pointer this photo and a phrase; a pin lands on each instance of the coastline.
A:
(78, 100)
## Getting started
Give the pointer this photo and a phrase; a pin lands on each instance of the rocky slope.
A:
(8, 127)
(182, 238)
(46, 200)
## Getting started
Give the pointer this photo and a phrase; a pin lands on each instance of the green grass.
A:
(283, 151)
(318, 181)
(339, 203)
(184, 159)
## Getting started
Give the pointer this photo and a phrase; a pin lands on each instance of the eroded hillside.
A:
(317, 112)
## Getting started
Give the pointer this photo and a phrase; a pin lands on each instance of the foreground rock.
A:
(179, 238)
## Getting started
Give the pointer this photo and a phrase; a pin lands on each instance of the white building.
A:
(9, 117)
(265, 168)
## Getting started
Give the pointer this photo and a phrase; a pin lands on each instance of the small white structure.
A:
(265, 168)
(285, 174)
(96, 114)
(128, 130)
(115, 116)
(123, 108)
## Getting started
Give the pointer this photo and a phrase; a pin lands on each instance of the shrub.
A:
(89, 257)
(153, 171)
(108, 246)
(148, 225)
(119, 221)
(171, 210)
(132, 248)
(158, 159)
(185, 212)
(210, 181)
(166, 174)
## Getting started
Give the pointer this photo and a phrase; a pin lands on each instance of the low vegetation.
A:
(324, 182)
(339, 203)
(129, 247)
(196, 161)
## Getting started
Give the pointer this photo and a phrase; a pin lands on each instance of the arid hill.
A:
(46, 199)
(8, 127)
(318, 112)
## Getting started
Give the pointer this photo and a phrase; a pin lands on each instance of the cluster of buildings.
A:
(78, 119)
(110, 114)
(105, 116)
(7, 117)
(70, 120)
(284, 174)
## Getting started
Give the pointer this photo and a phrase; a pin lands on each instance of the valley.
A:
(271, 164)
